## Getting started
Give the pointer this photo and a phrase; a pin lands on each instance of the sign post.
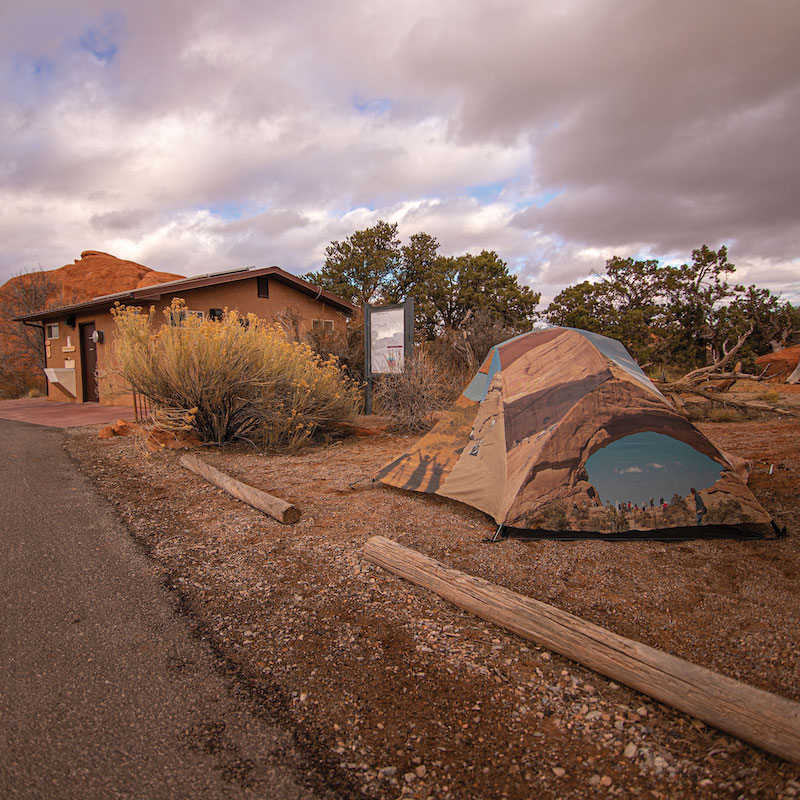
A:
(388, 342)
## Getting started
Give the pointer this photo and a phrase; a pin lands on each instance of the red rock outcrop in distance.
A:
(96, 273)
(92, 275)
(779, 366)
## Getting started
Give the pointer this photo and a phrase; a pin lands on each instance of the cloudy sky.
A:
(197, 136)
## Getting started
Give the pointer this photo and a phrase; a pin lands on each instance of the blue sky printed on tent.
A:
(644, 465)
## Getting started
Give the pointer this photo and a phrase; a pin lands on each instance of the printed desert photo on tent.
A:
(553, 421)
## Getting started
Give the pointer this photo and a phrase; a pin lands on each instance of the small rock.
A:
(421, 770)
(594, 780)
(641, 711)
(630, 750)
(387, 772)
(605, 781)
(559, 772)
(409, 777)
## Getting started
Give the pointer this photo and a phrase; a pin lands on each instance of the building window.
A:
(263, 286)
(51, 330)
(177, 317)
(322, 325)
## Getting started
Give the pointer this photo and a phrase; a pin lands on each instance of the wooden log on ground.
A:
(763, 719)
(273, 506)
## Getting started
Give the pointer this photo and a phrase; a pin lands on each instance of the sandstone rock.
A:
(123, 428)
(107, 432)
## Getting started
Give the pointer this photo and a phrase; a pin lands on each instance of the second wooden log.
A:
(272, 506)
(766, 720)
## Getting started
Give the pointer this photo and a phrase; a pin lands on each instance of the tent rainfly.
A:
(561, 430)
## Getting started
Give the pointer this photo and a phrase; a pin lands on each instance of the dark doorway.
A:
(89, 364)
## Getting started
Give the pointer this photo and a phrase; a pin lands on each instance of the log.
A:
(763, 719)
(272, 506)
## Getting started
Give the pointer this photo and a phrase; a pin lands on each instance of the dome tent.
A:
(561, 430)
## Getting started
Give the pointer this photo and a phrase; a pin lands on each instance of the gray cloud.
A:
(197, 135)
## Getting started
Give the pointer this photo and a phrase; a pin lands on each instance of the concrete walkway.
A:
(40, 411)
(103, 691)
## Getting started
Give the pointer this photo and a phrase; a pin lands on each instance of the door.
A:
(91, 393)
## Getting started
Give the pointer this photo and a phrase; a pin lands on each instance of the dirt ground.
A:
(396, 693)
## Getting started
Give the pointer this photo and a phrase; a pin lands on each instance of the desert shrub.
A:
(238, 379)
(727, 511)
(554, 516)
(411, 398)
(724, 415)
(463, 349)
(347, 345)
(770, 396)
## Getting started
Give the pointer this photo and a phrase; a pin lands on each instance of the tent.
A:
(561, 430)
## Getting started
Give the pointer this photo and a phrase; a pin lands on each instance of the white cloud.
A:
(195, 135)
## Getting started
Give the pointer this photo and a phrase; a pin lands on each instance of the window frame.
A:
(48, 331)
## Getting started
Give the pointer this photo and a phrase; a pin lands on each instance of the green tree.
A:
(623, 304)
(686, 315)
(371, 266)
(364, 267)
(461, 286)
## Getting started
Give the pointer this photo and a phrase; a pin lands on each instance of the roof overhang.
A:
(174, 288)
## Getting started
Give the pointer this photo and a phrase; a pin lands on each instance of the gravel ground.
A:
(395, 693)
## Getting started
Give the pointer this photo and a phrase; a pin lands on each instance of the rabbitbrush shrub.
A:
(237, 379)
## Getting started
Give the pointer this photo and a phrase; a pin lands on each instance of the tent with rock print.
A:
(560, 430)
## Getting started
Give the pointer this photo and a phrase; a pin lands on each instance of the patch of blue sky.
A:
(27, 76)
(43, 68)
(229, 211)
(487, 192)
(101, 40)
(539, 200)
(376, 106)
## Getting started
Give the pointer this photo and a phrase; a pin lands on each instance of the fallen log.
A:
(272, 506)
(766, 720)
(740, 404)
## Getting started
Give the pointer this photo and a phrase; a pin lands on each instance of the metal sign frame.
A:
(408, 342)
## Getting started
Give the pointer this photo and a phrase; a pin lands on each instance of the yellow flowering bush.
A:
(240, 377)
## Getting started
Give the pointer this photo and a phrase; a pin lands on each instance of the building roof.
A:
(157, 291)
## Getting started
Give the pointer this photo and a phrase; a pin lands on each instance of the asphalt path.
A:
(104, 692)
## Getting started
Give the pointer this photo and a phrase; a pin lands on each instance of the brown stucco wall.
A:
(240, 295)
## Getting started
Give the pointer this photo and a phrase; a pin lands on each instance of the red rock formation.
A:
(780, 365)
(96, 273)
(92, 275)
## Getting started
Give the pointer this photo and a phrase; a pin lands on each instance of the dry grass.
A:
(236, 379)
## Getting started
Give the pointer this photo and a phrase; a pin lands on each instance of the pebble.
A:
(559, 772)
(630, 750)
(387, 772)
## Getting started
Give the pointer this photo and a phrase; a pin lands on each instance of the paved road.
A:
(103, 691)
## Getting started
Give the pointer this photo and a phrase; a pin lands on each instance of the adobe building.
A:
(79, 338)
